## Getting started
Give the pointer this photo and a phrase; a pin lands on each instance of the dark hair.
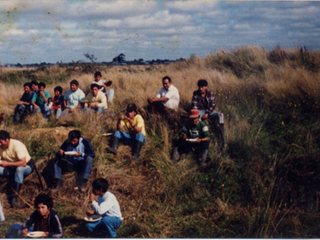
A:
(132, 107)
(74, 134)
(202, 83)
(44, 199)
(97, 73)
(75, 82)
(34, 82)
(4, 135)
(100, 183)
(94, 85)
(27, 84)
(166, 77)
(42, 84)
(58, 88)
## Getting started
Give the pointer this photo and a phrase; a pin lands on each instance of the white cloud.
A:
(192, 6)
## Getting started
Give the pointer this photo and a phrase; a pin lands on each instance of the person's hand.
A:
(36, 107)
(41, 93)
(150, 100)
(122, 117)
(92, 104)
(60, 152)
(199, 140)
(4, 163)
(90, 213)
(45, 234)
(71, 110)
(20, 103)
(204, 117)
(25, 232)
(91, 197)
(184, 136)
(78, 154)
(109, 82)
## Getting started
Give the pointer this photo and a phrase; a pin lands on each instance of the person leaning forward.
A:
(136, 128)
(81, 161)
(194, 135)
(15, 163)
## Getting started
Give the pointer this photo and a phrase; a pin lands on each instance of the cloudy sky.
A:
(51, 31)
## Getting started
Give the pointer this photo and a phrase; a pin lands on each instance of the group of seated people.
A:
(36, 99)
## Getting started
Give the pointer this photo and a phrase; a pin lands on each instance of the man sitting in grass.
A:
(136, 137)
(44, 218)
(73, 97)
(58, 102)
(40, 100)
(24, 104)
(80, 160)
(194, 135)
(15, 163)
(103, 84)
(107, 207)
(97, 101)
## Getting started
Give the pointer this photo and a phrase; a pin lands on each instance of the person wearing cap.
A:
(75, 154)
(137, 133)
(204, 101)
(103, 84)
(194, 135)
(167, 97)
(15, 163)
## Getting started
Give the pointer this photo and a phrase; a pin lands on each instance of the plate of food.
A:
(70, 153)
(93, 218)
(35, 234)
(192, 139)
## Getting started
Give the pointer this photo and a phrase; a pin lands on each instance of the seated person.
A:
(80, 162)
(44, 218)
(2, 218)
(103, 84)
(34, 86)
(24, 104)
(167, 97)
(73, 97)
(204, 101)
(58, 102)
(40, 100)
(97, 100)
(136, 137)
(194, 135)
(15, 163)
(107, 206)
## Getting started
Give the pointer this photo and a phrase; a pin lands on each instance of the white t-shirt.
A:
(173, 94)
(73, 98)
(100, 83)
(107, 205)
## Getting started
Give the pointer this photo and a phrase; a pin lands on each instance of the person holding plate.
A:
(194, 135)
(107, 207)
(75, 154)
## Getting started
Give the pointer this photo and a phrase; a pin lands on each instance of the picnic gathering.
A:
(76, 153)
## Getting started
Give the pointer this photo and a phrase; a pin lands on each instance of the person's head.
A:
(74, 137)
(74, 85)
(57, 91)
(100, 185)
(131, 110)
(97, 76)
(43, 203)
(202, 85)
(166, 82)
(35, 86)
(27, 88)
(4, 139)
(42, 86)
(194, 116)
(94, 89)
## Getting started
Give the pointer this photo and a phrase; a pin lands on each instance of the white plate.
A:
(93, 218)
(35, 234)
(107, 134)
(192, 139)
(70, 153)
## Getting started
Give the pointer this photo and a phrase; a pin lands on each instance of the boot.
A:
(14, 201)
(83, 186)
(175, 155)
(115, 145)
(203, 158)
(58, 184)
(136, 151)
(221, 133)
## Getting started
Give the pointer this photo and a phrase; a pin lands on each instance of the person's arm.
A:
(103, 207)
(63, 148)
(88, 150)
(194, 101)
(28, 223)
(45, 98)
(162, 99)
(119, 123)
(55, 227)
(20, 163)
(211, 102)
(102, 99)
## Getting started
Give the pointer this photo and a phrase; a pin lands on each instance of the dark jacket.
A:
(54, 223)
(196, 101)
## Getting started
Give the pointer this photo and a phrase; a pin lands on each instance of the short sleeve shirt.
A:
(173, 94)
(16, 151)
(73, 98)
(37, 99)
(138, 121)
(100, 83)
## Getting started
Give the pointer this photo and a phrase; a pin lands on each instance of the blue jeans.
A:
(214, 116)
(45, 110)
(128, 139)
(57, 112)
(109, 94)
(24, 109)
(98, 109)
(106, 226)
(82, 167)
(17, 173)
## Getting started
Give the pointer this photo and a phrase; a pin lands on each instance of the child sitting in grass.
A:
(107, 206)
(58, 102)
(44, 218)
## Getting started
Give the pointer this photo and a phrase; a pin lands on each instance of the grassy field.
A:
(264, 184)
